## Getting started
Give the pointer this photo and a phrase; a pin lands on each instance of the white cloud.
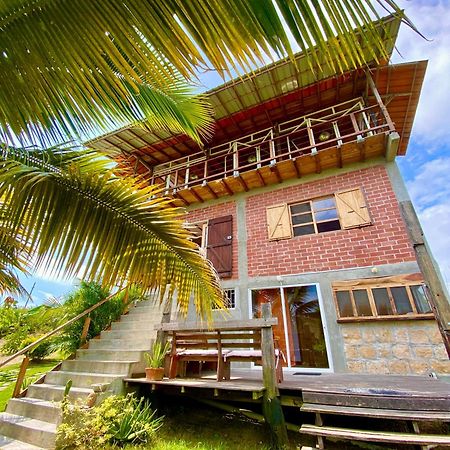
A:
(430, 192)
(432, 18)
(430, 185)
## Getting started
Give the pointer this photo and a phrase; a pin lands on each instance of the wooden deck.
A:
(369, 391)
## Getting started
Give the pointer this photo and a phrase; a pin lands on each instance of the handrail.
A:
(69, 322)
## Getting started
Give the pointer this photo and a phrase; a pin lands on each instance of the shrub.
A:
(10, 319)
(117, 421)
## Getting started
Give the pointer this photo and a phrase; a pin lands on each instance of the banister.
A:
(69, 322)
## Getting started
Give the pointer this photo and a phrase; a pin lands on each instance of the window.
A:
(315, 216)
(343, 210)
(398, 297)
(230, 299)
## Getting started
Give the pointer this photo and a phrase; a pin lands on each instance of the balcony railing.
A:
(335, 126)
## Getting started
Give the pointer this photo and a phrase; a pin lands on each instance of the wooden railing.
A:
(25, 350)
(331, 127)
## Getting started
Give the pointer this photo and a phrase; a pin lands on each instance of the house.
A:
(295, 200)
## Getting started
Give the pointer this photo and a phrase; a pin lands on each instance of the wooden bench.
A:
(222, 343)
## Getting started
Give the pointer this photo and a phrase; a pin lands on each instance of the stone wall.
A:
(395, 347)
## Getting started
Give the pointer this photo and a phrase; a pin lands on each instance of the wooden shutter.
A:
(352, 208)
(279, 222)
(219, 245)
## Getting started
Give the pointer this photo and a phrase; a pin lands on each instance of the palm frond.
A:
(79, 218)
(72, 67)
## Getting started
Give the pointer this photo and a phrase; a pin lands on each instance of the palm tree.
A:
(70, 69)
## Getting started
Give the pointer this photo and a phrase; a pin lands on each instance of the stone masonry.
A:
(400, 347)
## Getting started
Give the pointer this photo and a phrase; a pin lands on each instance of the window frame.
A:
(311, 211)
(368, 284)
(228, 308)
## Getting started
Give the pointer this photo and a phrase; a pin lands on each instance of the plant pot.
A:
(154, 373)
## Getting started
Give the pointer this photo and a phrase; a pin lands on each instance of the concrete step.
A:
(128, 334)
(31, 431)
(35, 408)
(80, 379)
(98, 366)
(55, 393)
(7, 443)
(134, 325)
(121, 344)
(90, 354)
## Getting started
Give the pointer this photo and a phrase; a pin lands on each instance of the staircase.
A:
(30, 422)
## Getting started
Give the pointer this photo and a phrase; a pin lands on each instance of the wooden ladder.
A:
(424, 441)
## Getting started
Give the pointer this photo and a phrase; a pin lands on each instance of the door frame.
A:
(322, 317)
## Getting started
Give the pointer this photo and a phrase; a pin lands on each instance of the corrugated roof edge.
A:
(391, 22)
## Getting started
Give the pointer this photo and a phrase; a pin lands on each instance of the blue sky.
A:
(426, 167)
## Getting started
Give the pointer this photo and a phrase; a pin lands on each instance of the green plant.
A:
(117, 421)
(10, 319)
(155, 357)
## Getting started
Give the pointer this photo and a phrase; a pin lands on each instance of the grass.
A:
(8, 377)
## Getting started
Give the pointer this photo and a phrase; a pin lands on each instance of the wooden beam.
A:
(197, 197)
(241, 182)
(297, 171)
(380, 101)
(227, 188)
(261, 179)
(274, 169)
(20, 376)
(272, 409)
(438, 293)
(392, 144)
(211, 190)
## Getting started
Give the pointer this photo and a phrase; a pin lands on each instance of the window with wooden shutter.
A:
(219, 245)
(352, 208)
(279, 222)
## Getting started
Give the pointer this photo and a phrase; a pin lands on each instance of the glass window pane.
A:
(382, 302)
(344, 304)
(302, 218)
(322, 227)
(324, 203)
(401, 300)
(420, 299)
(326, 215)
(304, 327)
(302, 230)
(362, 302)
(300, 208)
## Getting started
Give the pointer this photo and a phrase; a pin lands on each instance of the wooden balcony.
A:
(330, 138)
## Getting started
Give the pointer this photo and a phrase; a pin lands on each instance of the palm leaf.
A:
(71, 67)
(79, 218)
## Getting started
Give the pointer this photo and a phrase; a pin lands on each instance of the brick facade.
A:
(383, 242)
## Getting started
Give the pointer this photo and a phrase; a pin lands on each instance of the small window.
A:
(230, 299)
(382, 298)
(314, 216)
(343, 210)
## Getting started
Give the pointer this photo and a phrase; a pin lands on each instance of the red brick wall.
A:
(383, 242)
(212, 212)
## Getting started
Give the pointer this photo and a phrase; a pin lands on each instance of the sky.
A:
(426, 166)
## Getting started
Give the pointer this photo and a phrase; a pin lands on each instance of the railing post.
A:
(84, 332)
(312, 141)
(380, 102)
(20, 376)
(235, 159)
(272, 409)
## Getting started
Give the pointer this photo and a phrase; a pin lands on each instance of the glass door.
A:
(299, 331)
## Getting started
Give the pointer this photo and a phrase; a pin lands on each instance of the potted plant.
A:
(155, 361)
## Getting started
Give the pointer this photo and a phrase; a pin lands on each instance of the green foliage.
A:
(10, 319)
(118, 421)
(16, 340)
(87, 295)
(155, 357)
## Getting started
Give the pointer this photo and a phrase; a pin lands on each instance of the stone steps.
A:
(90, 354)
(35, 408)
(99, 366)
(30, 422)
(55, 393)
(28, 430)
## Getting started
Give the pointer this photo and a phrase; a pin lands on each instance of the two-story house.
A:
(296, 202)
